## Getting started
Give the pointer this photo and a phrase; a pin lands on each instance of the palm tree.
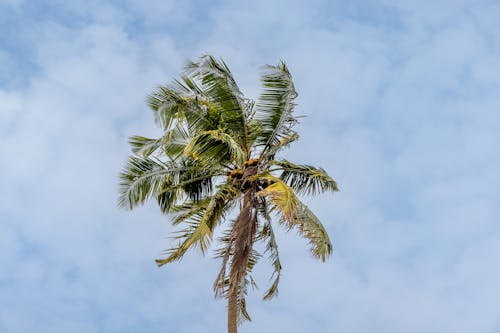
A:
(217, 155)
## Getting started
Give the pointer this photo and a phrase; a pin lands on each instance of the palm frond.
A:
(215, 147)
(218, 205)
(201, 218)
(168, 105)
(175, 141)
(195, 234)
(243, 288)
(271, 248)
(143, 178)
(188, 86)
(168, 197)
(194, 182)
(219, 87)
(280, 195)
(305, 179)
(275, 107)
(172, 105)
(188, 209)
(311, 228)
(223, 282)
(143, 146)
(295, 214)
(146, 178)
(243, 235)
(241, 300)
(282, 143)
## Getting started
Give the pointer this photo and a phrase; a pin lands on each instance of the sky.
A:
(401, 102)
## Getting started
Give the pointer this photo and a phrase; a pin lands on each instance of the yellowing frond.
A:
(295, 214)
(281, 195)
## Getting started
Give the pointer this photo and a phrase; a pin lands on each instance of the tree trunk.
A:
(243, 236)
(232, 311)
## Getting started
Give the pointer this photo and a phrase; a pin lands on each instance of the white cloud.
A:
(405, 120)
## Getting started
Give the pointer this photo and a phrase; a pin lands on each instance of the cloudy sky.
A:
(402, 102)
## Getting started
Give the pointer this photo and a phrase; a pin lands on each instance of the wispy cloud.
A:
(401, 101)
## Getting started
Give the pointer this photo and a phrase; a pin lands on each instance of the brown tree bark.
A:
(243, 237)
(232, 311)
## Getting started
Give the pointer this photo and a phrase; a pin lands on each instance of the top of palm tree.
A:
(219, 152)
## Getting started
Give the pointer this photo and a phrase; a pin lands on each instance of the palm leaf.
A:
(281, 196)
(305, 179)
(143, 146)
(201, 219)
(168, 105)
(295, 214)
(175, 141)
(173, 105)
(194, 234)
(283, 142)
(219, 87)
(271, 248)
(188, 209)
(215, 147)
(241, 300)
(311, 228)
(275, 106)
(145, 178)
(222, 282)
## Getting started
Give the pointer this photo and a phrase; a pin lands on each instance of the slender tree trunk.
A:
(243, 236)
(232, 311)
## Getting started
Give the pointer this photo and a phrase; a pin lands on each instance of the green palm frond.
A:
(194, 182)
(275, 106)
(168, 105)
(194, 188)
(143, 146)
(215, 146)
(217, 206)
(220, 88)
(171, 105)
(175, 141)
(188, 86)
(305, 179)
(284, 142)
(201, 218)
(168, 197)
(145, 178)
(188, 209)
(195, 234)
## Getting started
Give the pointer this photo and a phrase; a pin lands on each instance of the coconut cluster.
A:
(241, 177)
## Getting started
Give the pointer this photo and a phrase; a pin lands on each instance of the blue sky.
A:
(401, 99)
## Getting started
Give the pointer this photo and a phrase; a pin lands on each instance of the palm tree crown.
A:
(217, 155)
